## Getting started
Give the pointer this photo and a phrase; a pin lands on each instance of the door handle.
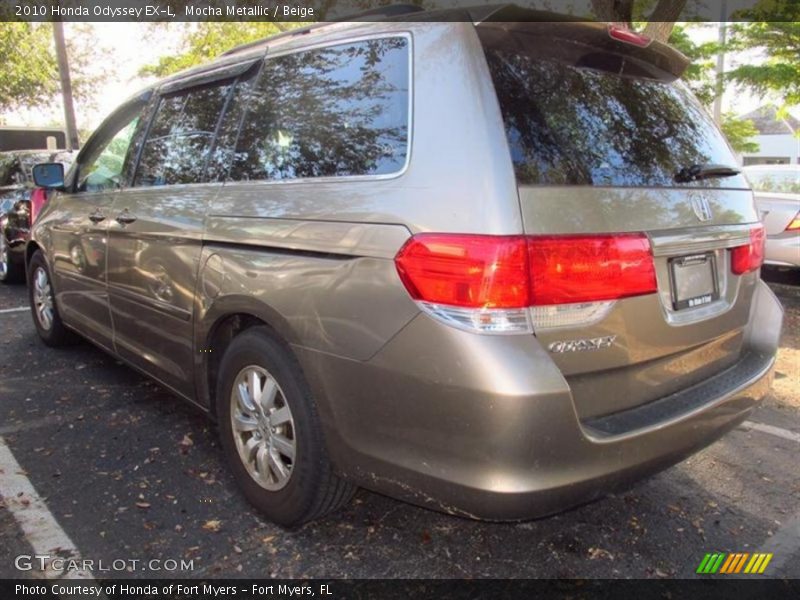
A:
(97, 217)
(125, 218)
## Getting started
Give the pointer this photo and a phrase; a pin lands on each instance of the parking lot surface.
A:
(118, 469)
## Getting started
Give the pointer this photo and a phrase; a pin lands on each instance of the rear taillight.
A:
(794, 225)
(570, 269)
(471, 271)
(749, 257)
(487, 283)
(38, 199)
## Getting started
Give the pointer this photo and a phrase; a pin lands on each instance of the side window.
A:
(102, 169)
(221, 156)
(181, 136)
(336, 111)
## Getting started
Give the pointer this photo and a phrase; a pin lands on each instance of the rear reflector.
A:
(794, 225)
(492, 274)
(750, 257)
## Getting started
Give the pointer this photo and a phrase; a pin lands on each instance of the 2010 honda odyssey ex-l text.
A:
(489, 266)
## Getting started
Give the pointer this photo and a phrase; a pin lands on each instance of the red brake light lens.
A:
(570, 269)
(750, 257)
(483, 271)
(623, 34)
(472, 271)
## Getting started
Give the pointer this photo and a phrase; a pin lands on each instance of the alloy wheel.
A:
(263, 428)
(43, 298)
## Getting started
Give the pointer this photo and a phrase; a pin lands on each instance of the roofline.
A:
(394, 13)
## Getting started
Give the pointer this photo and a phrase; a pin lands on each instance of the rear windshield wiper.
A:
(695, 172)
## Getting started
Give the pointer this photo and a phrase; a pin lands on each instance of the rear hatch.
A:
(606, 140)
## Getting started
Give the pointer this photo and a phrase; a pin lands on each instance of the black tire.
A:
(11, 271)
(312, 490)
(56, 334)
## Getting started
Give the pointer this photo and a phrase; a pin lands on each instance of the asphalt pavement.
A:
(98, 462)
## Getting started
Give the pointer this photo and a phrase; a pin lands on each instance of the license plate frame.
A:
(693, 280)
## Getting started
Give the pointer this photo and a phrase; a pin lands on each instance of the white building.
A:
(778, 139)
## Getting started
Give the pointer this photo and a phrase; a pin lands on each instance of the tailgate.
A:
(658, 347)
(601, 136)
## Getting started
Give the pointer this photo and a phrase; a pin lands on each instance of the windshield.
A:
(569, 122)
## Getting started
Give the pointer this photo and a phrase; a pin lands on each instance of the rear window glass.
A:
(571, 125)
(331, 112)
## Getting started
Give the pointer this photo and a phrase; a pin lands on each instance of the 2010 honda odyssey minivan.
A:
(493, 268)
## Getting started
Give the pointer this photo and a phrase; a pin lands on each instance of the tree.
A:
(699, 75)
(28, 73)
(208, 40)
(660, 21)
(779, 73)
(740, 133)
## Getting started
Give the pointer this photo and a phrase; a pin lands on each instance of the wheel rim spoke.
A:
(267, 399)
(280, 470)
(245, 423)
(254, 386)
(244, 400)
(262, 460)
(280, 416)
(250, 448)
(283, 445)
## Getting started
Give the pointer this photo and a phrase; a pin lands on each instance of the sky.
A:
(125, 47)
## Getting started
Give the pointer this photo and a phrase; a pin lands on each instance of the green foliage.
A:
(740, 133)
(208, 40)
(700, 75)
(775, 31)
(28, 70)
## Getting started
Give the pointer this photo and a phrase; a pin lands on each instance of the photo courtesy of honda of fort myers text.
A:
(441, 299)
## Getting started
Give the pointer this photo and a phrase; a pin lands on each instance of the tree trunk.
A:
(662, 21)
(613, 11)
(66, 86)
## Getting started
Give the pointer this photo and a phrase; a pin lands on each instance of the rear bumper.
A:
(485, 426)
(783, 250)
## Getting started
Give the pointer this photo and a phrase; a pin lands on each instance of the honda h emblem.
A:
(701, 208)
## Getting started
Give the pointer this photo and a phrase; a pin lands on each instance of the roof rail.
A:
(393, 10)
(277, 36)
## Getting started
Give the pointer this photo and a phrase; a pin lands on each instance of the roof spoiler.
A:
(603, 37)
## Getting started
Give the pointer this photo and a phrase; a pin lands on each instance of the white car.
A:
(777, 192)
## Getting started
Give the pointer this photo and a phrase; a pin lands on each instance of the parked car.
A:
(783, 179)
(16, 187)
(777, 192)
(495, 269)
